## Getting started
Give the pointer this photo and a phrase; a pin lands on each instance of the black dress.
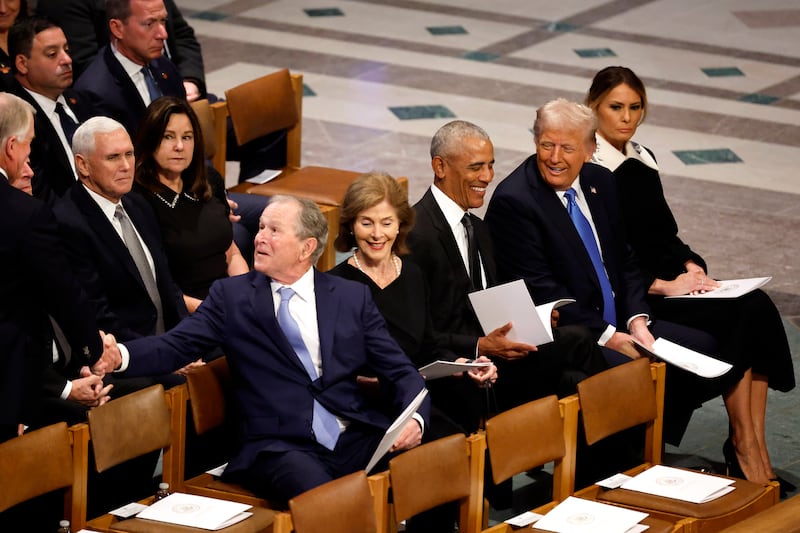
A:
(748, 329)
(404, 305)
(196, 235)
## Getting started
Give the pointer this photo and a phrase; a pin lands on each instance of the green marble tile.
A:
(421, 111)
(595, 52)
(721, 72)
(324, 12)
(757, 98)
(447, 30)
(704, 157)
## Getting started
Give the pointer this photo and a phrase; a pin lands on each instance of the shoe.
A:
(785, 486)
(732, 467)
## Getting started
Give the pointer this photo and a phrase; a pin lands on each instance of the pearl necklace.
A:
(395, 262)
(175, 199)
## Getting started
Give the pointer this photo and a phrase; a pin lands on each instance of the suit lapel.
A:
(327, 306)
(261, 300)
(99, 224)
(445, 234)
(557, 214)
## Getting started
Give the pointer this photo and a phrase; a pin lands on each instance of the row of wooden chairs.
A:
(450, 469)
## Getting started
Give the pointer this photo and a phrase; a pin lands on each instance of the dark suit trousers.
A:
(283, 475)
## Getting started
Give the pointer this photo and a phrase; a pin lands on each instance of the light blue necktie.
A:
(587, 236)
(324, 424)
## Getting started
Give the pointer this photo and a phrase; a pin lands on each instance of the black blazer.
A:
(52, 173)
(113, 94)
(85, 25)
(537, 241)
(434, 249)
(107, 269)
(36, 280)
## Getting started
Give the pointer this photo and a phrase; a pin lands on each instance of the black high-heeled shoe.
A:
(732, 467)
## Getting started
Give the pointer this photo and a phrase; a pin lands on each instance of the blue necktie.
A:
(152, 86)
(324, 423)
(587, 236)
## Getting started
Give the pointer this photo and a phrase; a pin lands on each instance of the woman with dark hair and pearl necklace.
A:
(188, 199)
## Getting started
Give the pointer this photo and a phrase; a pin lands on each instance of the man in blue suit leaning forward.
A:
(295, 340)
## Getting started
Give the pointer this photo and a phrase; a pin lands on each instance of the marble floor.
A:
(723, 86)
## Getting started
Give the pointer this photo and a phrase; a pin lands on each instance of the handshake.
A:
(111, 359)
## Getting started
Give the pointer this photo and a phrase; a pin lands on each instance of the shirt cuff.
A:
(126, 358)
(606, 336)
(631, 319)
(418, 418)
(67, 390)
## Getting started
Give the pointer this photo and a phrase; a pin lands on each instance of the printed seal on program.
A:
(669, 481)
(580, 519)
(185, 508)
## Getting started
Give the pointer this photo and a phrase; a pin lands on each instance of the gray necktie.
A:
(140, 258)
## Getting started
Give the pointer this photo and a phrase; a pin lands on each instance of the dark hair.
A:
(610, 78)
(118, 9)
(22, 33)
(149, 137)
(369, 190)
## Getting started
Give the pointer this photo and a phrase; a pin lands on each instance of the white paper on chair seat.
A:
(196, 511)
(689, 360)
(679, 484)
(265, 176)
(576, 515)
(730, 288)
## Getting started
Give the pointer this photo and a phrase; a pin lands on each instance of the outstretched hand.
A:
(496, 343)
(111, 358)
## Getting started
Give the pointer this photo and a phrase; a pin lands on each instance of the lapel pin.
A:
(593, 190)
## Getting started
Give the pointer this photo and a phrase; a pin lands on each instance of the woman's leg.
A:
(758, 410)
(746, 445)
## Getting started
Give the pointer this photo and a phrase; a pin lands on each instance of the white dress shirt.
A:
(49, 108)
(135, 73)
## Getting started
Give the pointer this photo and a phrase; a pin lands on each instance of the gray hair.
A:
(561, 114)
(310, 223)
(83, 141)
(447, 140)
(16, 116)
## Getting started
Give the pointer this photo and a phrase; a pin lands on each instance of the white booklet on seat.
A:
(689, 360)
(511, 302)
(730, 288)
(679, 484)
(196, 511)
(576, 515)
(394, 430)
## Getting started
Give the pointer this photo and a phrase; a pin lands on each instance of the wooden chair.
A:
(532, 435)
(445, 470)
(344, 505)
(208, 389)
(274, 102)
(136, 424)
(632, 394)
(42, 461)
(784, 517)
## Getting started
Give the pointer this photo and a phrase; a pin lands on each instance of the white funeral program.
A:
(440, 369)
(196, 511)
(576, 515)
(730, 288)
(395, 429)
(511, 302)
(679, 484)
(689, 360)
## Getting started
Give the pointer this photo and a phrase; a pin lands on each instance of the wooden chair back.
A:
(532, 435)
(445, 470)
(42, 461)
(344, 505)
